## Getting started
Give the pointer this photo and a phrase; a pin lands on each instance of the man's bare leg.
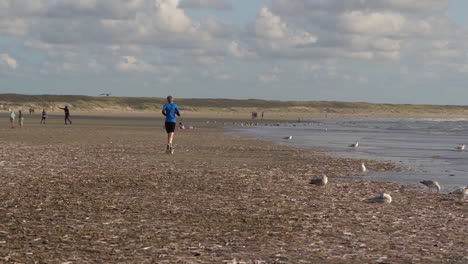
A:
(170, 138)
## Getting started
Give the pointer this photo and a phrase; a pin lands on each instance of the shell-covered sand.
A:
(103, 191)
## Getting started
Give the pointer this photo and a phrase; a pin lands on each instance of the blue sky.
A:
(385, 51)
(458, 10)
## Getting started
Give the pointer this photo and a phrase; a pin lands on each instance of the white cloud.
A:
(8, 61)
(237, 50)
(275, 36)
(162, 24)
(106, 22)
(133, 64)
(269, 25)
(170, 17)
(383, 24)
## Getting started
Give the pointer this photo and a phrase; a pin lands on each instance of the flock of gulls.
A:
(385, 197)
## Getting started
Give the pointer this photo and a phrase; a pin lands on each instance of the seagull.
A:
(432, 185)
(363, 167)
(320, 182)
(461, 147)
(461, 191)
(288, 138)
(105, 94)
(383, 198)
(355, 145)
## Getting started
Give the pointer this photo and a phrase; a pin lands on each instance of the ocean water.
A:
(425, 146)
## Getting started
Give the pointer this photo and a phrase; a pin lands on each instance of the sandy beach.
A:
(103, 191)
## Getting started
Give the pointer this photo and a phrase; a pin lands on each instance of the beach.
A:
(103, 191)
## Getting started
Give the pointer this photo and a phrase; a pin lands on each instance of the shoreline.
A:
(114, 197)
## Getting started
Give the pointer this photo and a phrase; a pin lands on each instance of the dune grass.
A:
(85, 103)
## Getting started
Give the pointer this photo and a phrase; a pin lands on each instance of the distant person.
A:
(43, 116)
(12, 118)
(170, 110)
(31, 111)
(20, 119)
(67, 114)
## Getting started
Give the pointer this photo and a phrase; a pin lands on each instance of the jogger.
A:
(170, 110)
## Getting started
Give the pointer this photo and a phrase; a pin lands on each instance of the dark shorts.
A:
(170, 127)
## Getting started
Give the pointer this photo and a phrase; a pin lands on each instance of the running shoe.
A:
(168, 148)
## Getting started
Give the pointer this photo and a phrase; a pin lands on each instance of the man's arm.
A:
(177, 111)
(164, 112)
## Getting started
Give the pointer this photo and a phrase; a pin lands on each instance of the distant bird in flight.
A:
(288, 138)
(355, 145)
(432, 185)
(105, 94)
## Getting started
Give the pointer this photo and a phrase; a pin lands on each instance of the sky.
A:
(382, 51)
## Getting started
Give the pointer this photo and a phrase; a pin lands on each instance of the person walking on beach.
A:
(12, 118)
(170, 110)
(20, 118)
(67, 114)
(43, 116)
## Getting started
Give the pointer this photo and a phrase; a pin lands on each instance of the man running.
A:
(170, 110)
(67, 114)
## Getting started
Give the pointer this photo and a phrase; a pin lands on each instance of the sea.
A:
(426, 147)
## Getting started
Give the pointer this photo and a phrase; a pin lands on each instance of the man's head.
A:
(170, 99)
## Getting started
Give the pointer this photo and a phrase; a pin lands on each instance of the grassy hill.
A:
(89, 103)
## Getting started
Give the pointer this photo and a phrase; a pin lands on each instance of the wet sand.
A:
(103, 191)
